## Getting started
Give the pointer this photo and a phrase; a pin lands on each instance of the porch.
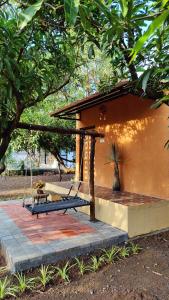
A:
(134, 213)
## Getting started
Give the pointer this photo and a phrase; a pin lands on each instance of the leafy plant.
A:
(134, 248)
(6, 289)
(27, 15)
(124, 252)
(39, 184)
(81, 265)
(3, 270)
(63, 273)
(115, 159)
(45, 275)
(110, 254)
(24, 283)
(96, 263)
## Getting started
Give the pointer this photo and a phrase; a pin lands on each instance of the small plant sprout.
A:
(134, 248)
(124, 252)
(63, 273)
(81, 266)
(3, 270)
(45, 275)
(5, 288)
(96, 263)
(24, 283)
(111, 254)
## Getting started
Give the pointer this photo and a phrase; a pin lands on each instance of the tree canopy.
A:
(43, 49)
(35, 62)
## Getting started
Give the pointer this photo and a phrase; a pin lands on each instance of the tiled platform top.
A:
(46, 228)
(124, 198)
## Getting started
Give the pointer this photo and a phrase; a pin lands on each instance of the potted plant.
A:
(39, 185)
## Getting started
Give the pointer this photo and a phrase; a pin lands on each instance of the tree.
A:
(120, 28)
(35, 62)
(88, 78)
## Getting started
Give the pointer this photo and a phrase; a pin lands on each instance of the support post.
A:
(81, 158)
(91, 184)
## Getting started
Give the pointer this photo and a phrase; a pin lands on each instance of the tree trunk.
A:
(60, 173)
(116, 182)
(6, 134)
(126, 52)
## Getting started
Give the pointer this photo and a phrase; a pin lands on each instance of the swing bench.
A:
(66, 202)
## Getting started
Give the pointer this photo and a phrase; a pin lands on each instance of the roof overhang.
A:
(69, 111)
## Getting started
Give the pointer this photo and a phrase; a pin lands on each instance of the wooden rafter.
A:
(59, 130)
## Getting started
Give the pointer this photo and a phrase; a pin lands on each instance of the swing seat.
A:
(64, 204)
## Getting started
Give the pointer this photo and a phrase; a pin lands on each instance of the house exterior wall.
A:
(140, 133)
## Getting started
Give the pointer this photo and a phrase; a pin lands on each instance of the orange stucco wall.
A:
(140, 133)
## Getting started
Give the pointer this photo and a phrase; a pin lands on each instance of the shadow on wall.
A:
(125, 132)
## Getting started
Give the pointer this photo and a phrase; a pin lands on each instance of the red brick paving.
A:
(46, 228)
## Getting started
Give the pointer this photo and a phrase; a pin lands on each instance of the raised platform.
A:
(136, 214)
(27, 242)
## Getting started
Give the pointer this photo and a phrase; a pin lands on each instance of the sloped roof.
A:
(122, 88)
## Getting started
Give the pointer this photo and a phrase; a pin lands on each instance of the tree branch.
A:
(48, 93)
(3, 2)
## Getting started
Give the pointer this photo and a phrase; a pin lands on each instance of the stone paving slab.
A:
(22, 254)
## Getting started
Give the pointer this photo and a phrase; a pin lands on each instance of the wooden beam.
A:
(91, 182)
(59, 130)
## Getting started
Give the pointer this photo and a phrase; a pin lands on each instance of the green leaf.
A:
(27, 15)
(124, 7)
(159, 102)
(104, 9)
(157, 23)
(85, 22)
(144, 79)
(91, 52)
(71, 10)
(164, 2)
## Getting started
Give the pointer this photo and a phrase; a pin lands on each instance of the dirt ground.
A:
(142, 276)
(18, 185)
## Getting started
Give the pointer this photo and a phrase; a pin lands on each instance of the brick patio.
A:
(27, 242)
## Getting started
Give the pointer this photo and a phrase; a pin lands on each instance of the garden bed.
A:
(142, 276)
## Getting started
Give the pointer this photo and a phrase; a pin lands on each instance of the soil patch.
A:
(11, 186)
(143, 276)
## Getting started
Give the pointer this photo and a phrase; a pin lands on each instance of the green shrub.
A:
(63, 272)
(5, 288)
(111, 254)
(45, 275)
(81, 266)
(96, 263)
(124, 252)
(24, 283)
(134, 248)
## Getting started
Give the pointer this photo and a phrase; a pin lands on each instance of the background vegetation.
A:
(54, 52)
